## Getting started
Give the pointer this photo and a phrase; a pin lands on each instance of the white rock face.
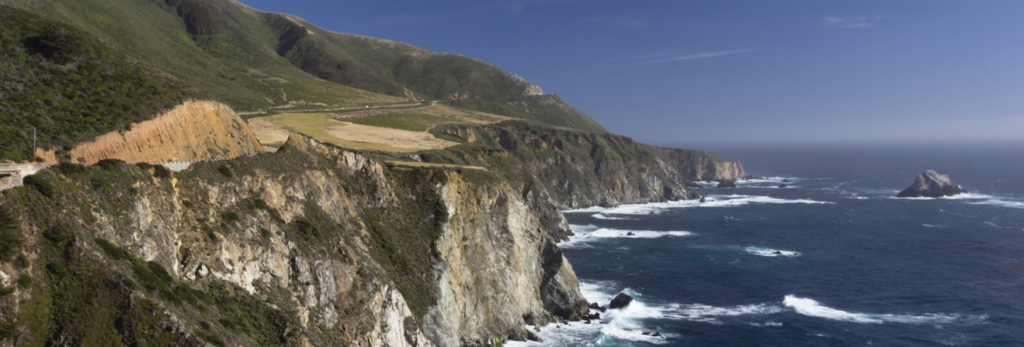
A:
(528, 88)
(495, 269)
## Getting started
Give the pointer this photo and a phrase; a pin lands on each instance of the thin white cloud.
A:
(853, 21)
(704, 55)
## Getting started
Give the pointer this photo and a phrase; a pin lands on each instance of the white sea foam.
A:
(809, 307)
(711, 314)
(976, 199)
(590, 209)
(768, 252)
(711, 201)
(607, 217)
(624, 324)
(965, 196)
(584, 234)
(767, 324)
(1000, 203)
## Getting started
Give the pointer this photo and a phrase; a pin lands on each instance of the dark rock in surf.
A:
(785, 181)
(689, 184)
(656, 334)
(594, 305)
(726, 184)
(620, 301)
(703, 199)
(783, 186)
(630, 234)
(931, 184)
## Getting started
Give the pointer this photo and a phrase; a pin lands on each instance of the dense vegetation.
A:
(254, 60)
(69, 86)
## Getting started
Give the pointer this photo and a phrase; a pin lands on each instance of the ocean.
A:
(834, 259)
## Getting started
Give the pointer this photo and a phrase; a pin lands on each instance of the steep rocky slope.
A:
(576, 169)
(194, 130)
(313, 245)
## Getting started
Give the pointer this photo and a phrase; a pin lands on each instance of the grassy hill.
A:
(255, 60)
(70, 86)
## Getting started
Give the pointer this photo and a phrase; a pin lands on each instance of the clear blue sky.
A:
(756, 71)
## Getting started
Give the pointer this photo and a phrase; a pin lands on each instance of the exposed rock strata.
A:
(195, 130)
(315, 250)
(933, 185)
(557, 169)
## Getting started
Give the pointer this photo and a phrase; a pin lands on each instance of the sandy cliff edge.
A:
(195, 130)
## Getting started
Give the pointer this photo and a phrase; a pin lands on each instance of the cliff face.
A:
(573, 169)
(312, 245)
(194, 130)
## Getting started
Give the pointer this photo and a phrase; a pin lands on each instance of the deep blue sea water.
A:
(833, 260)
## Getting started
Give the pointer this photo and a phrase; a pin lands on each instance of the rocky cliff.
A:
(194, 130)
(576, 169)
(313, 245)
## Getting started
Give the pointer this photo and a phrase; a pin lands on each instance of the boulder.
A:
(726, 184)
(932, 185)
(620, 301)
(594, 305)
(702, 199)
(783, 186)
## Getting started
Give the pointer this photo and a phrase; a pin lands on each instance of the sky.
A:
(678, 72)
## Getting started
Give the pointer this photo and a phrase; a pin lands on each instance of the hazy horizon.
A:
(736, 71)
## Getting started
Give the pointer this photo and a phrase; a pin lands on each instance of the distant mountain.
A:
(255, 60)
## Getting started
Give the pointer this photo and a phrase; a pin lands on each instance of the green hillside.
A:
(70, 86)
(255, 60)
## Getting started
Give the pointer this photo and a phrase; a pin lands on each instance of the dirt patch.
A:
(195, 130)
(411, 140)
(268, 133)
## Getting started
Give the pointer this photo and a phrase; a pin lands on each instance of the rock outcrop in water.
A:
(620, 301)
(932, 185)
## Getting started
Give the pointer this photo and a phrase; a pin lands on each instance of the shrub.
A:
(224, 170)
(59, 235)
(161, 171)
(10, 238)
(112, 250)
(259, 204)
(57, 268)
(40, 184)
(24, 281)
(230, 217)
(70, 168)
(111, 164)
(23, 261)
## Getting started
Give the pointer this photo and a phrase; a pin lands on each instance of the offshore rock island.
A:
(931, 184)
(325, 242)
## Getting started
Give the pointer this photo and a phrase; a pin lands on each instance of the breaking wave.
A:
(584, 234)
(768, 252)
(811, 308)
(734, 200)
